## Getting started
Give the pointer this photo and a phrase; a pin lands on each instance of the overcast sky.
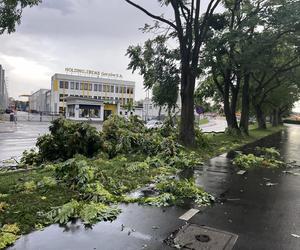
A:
(87, 34)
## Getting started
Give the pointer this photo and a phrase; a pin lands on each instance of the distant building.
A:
(3, 90)
(109, 91)
(39, 101)
(151, 110)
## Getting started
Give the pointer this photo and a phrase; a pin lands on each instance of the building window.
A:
(127, 90)
(71, 110)
(86, 86)
(100, 88)
(89, 111)
(131, 90)
(95, 87)
(72, 85)
(62, 97)
(117, 89)
(95, 97)
(66, 85)
(77, 85)
(112, 89)
(81, 86)
(61, 84)
(90, 86)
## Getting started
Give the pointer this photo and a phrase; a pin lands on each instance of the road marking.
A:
(189, 214)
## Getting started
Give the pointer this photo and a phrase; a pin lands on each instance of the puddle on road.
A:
(135, 227)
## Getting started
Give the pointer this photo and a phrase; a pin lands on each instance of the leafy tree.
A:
(158, 65)
(190, 30)
(165, 94)
(246, 46)
(277, 103)
(11, 13)
(276, 69)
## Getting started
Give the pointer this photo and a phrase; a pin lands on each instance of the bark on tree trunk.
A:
(230, 108)
(244, 123)
(260, 117)
(275, 118)
(159, 113)
(187, 130)
(280, 121)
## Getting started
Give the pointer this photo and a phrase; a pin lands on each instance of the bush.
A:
(76, 172)
(123, 136)
(68, 138)
(31, 157)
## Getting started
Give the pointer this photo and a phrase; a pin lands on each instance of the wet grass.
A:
(221, 143)
(23, 208)
(203, 121)
(118, 176)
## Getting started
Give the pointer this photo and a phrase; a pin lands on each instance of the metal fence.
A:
(31, 117)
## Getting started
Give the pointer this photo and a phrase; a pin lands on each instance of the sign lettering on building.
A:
(92, 73)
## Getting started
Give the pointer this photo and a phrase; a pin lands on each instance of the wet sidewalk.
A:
(263, 217)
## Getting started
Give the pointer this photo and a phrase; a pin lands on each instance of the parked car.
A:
(154, 124)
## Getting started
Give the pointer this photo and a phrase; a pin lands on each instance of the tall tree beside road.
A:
(158, 65)
(190, 29)
(246, 48)
(11, 13)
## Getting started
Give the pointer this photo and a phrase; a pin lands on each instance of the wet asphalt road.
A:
(15, 138)
(263, 217)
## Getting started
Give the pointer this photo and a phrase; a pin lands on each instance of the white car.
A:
(154, 124)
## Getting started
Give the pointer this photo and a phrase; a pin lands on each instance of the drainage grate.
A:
(199, 238)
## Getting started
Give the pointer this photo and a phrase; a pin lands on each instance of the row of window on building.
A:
(121, 100)
(95, 87)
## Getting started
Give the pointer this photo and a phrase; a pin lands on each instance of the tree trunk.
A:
(279, 118)
(229, 108)
(275, 121)
(170, 117)
(260, 117)
(159, 113)
(244, 123)
(234, 99)
(187, 130)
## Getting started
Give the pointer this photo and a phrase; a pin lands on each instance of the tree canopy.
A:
(11, 13)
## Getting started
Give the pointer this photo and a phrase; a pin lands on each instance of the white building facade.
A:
(38, 101)
(3, 90)
(110, 91)
(152, 111)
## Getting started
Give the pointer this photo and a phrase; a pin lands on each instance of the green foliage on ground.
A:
(87, 186)
(8, 235)
(177, 192)
(263, 158)
(89, 213)
(25, 207)
(66, 139)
